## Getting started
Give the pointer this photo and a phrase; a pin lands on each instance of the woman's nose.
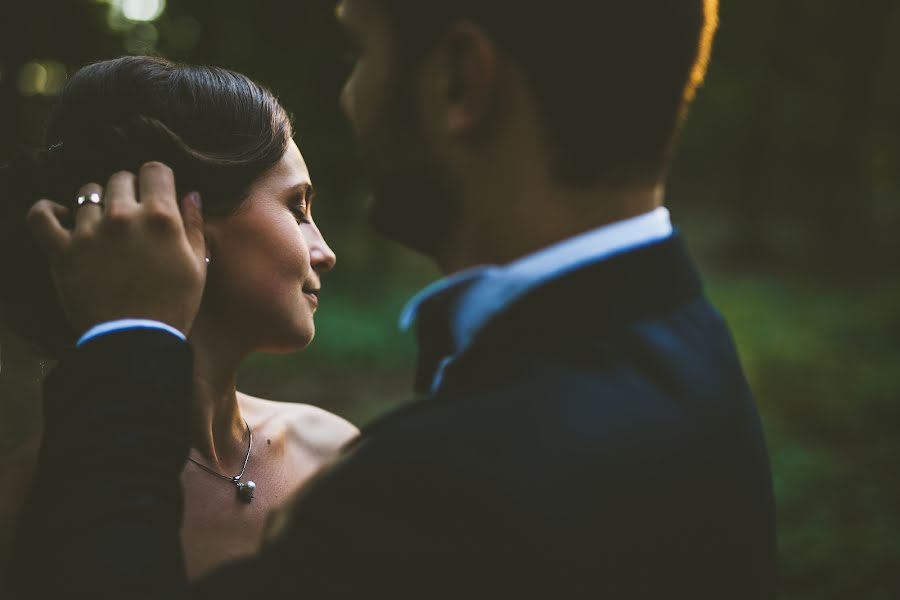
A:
(321, 257)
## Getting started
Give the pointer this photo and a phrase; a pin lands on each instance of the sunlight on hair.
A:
(42, 78)
(704, 51)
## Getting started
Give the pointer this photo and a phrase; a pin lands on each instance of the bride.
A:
(227, 138)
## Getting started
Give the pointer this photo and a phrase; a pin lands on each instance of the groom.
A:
(585, 428)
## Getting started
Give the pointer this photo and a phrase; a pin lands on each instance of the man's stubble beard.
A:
(415, 201)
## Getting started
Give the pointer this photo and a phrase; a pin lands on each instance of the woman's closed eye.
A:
(300, 208)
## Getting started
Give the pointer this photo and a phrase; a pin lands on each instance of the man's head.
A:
(440, 85)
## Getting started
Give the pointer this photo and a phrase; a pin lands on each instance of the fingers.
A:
(120, 195)
(192, 215)
(88, 214)
(156, 187)
(44, 222)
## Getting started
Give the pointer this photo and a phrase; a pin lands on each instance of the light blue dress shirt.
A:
(490, 289)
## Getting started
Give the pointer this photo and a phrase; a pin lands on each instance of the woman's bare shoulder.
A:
(316, 429)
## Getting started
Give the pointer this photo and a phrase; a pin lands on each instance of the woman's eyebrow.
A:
(304, 190)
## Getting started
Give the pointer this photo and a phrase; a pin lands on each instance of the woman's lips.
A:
(313, 298)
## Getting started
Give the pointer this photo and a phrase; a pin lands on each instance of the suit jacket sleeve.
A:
(103, 515)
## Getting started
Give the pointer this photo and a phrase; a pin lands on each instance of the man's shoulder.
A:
(572, 408)
(667, 391)
(540, 448)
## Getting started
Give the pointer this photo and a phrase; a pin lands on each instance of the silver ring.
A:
(92, 198)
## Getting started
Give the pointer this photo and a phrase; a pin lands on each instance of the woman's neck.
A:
(218, 429)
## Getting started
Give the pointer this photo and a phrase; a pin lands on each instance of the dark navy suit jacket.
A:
(597, 439)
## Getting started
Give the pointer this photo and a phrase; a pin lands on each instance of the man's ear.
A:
(467, 79)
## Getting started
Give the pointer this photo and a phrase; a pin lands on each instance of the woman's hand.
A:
(138, 256)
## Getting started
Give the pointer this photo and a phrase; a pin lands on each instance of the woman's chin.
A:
(288, 345)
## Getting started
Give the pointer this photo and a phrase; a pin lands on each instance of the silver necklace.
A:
(244, 490)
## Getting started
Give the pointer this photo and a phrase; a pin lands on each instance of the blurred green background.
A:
(786, 184)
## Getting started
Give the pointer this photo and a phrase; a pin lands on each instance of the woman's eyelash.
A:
(300, 211)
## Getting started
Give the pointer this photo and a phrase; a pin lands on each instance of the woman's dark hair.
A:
(217, 129)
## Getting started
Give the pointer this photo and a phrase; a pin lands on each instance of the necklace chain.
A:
(237, 477)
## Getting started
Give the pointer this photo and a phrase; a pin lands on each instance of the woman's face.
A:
(266, 262)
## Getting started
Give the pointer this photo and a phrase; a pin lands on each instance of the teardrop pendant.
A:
(245, 491)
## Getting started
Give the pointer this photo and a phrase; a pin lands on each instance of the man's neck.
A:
(532, 221)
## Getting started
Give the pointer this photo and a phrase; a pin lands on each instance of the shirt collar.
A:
(596, 244)
(411, 309)
(498, 286)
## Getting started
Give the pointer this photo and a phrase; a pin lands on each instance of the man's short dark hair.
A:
(612, 79)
